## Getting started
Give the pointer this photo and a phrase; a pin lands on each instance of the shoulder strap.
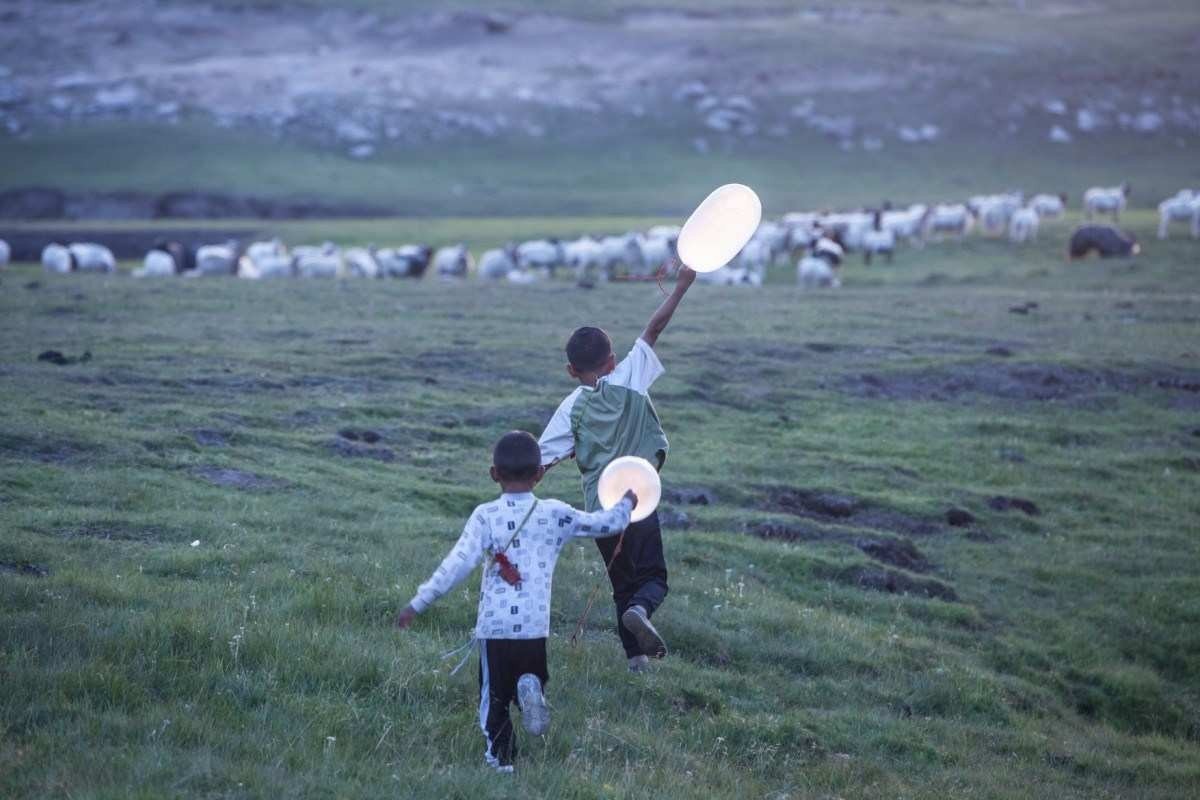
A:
(528, 514)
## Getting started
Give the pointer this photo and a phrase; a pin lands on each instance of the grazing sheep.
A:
(1185, 205)
(621, 252)
(1049, 206)
(995, 210)
(409, 261)
(266, 260)
(318, 262)
(157, 264)
(259, 251)
(1023, 225)
(1106, 200)
(1104, 240)
(91, 257)
(5, 253)
(543, 254)
(655, 251)
(907, 225)
(497, 263)
(878, 240)
(946, 218)
(586, 256)
(361, 263)
(453, 262)
(776, 236)
(216, 259)
(56, 258)
(819, 268)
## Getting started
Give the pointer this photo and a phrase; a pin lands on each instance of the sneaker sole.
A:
(648, 638)
(535, 714)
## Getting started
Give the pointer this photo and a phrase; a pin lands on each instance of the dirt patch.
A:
(897, 552)
(959, 517)
(58, 359)
(1005, 503)
(1020, 382)
(690, 496)
(893, 582)
(845, 509)
(25, 568)
(47, 451)
(360, 435)
(348, 449)
(673, 519)
(235, 478)
(206, 437)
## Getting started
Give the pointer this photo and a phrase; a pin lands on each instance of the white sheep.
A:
(621, 251)
(5, 253)
(266, 260)
(318, 262)
(56, 258)
(586, 257)
(361, 263)
(1106, 200)
(819, 268)
(1023, 225)
(906, 224)
(994, 210)
(1049, 206)
(540, 254)
(216, 259)
(497, 263)
(1185, 205)
(946, 218)
(156, 264)
(879, 239)
(655, 251)
(91, 257)
(408, 261)
(453, 262)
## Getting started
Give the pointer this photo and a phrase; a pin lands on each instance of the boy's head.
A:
(589, 354)
(517, 461)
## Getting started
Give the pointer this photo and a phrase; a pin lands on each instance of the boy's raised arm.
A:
(598, 524)
(660, 318)
(458, 564)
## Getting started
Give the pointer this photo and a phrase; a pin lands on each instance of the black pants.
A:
(501, 663)
(638, 575)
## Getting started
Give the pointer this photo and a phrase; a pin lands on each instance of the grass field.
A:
(1048, 655)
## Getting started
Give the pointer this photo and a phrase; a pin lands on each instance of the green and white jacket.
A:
(614, 419)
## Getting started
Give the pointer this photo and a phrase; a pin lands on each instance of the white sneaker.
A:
(637, 621)
(507, 769)
(535, 714)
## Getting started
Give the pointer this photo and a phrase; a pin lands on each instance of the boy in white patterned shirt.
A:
(521, 537)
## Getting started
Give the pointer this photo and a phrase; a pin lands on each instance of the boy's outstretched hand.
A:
(631, 497)
(405, 617)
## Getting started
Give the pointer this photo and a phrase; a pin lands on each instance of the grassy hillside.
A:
(199, 565)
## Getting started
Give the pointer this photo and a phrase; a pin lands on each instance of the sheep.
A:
(776, 236)
(409, 261)
(620, 251)
(1104, 240)
(497, 263)
(266, 260)
(994, 211)
(453, 262)
(5, 253)
(361, 263)
(1104, 200)
(91, 257)
(850, 227)
(156, 264)
(655, 251)
(819, 267)
(750, 265)
(586, 256)
(1049, 206)
(543, 254)
(878, 239)
(318, 262)
(56, 258)
(1185, 205)
(1023, 225)
(907, 225)
(216, 259)
(664, 232)
(953, 218)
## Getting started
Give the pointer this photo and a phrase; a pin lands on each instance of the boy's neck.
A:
(517, 487)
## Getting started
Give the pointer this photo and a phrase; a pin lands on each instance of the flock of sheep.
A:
(817, 242)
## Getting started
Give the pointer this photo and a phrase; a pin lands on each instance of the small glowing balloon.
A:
(719, 227)
(630, 472)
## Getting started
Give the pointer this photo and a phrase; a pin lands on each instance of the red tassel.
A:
(508, 571)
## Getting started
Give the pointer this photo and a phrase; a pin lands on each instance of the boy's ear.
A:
(495, 473)
(574, 373)
(610, 364)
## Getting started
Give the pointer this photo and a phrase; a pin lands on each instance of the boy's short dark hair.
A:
(517, 456)
(588, 348)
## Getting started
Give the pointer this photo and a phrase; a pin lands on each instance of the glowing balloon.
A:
(630, 472)
(719, 227)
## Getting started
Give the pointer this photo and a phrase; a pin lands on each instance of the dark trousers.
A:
(501, 663)
(638, 575)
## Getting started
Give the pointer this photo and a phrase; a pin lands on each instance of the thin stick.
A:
(592, 597)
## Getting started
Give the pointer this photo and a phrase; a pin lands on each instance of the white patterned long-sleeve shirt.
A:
(521, 611)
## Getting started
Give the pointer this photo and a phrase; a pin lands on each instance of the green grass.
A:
(262, 663)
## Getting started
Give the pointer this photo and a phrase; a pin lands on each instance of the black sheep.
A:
(1104, 240)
